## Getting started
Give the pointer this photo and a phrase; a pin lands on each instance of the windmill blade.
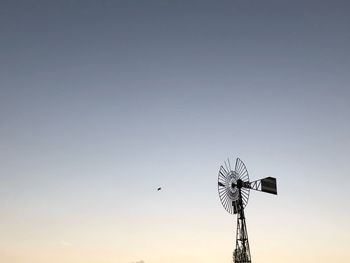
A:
(241, 170)
(266, 185)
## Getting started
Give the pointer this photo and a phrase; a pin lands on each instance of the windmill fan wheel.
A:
(231, 183)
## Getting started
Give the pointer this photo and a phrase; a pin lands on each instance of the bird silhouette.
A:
(159, 188)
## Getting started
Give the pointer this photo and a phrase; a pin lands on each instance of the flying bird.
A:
(159, 188)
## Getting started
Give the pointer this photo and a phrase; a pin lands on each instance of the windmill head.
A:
(234, 186)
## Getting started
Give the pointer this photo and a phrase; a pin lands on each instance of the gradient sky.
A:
(103, 101)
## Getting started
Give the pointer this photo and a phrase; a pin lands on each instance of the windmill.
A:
(234, 188)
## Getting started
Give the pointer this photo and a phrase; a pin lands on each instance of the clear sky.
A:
(101, 102)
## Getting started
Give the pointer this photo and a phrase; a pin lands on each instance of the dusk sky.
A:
(102, 102)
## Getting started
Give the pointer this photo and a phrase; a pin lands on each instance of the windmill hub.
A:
(239, 183)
